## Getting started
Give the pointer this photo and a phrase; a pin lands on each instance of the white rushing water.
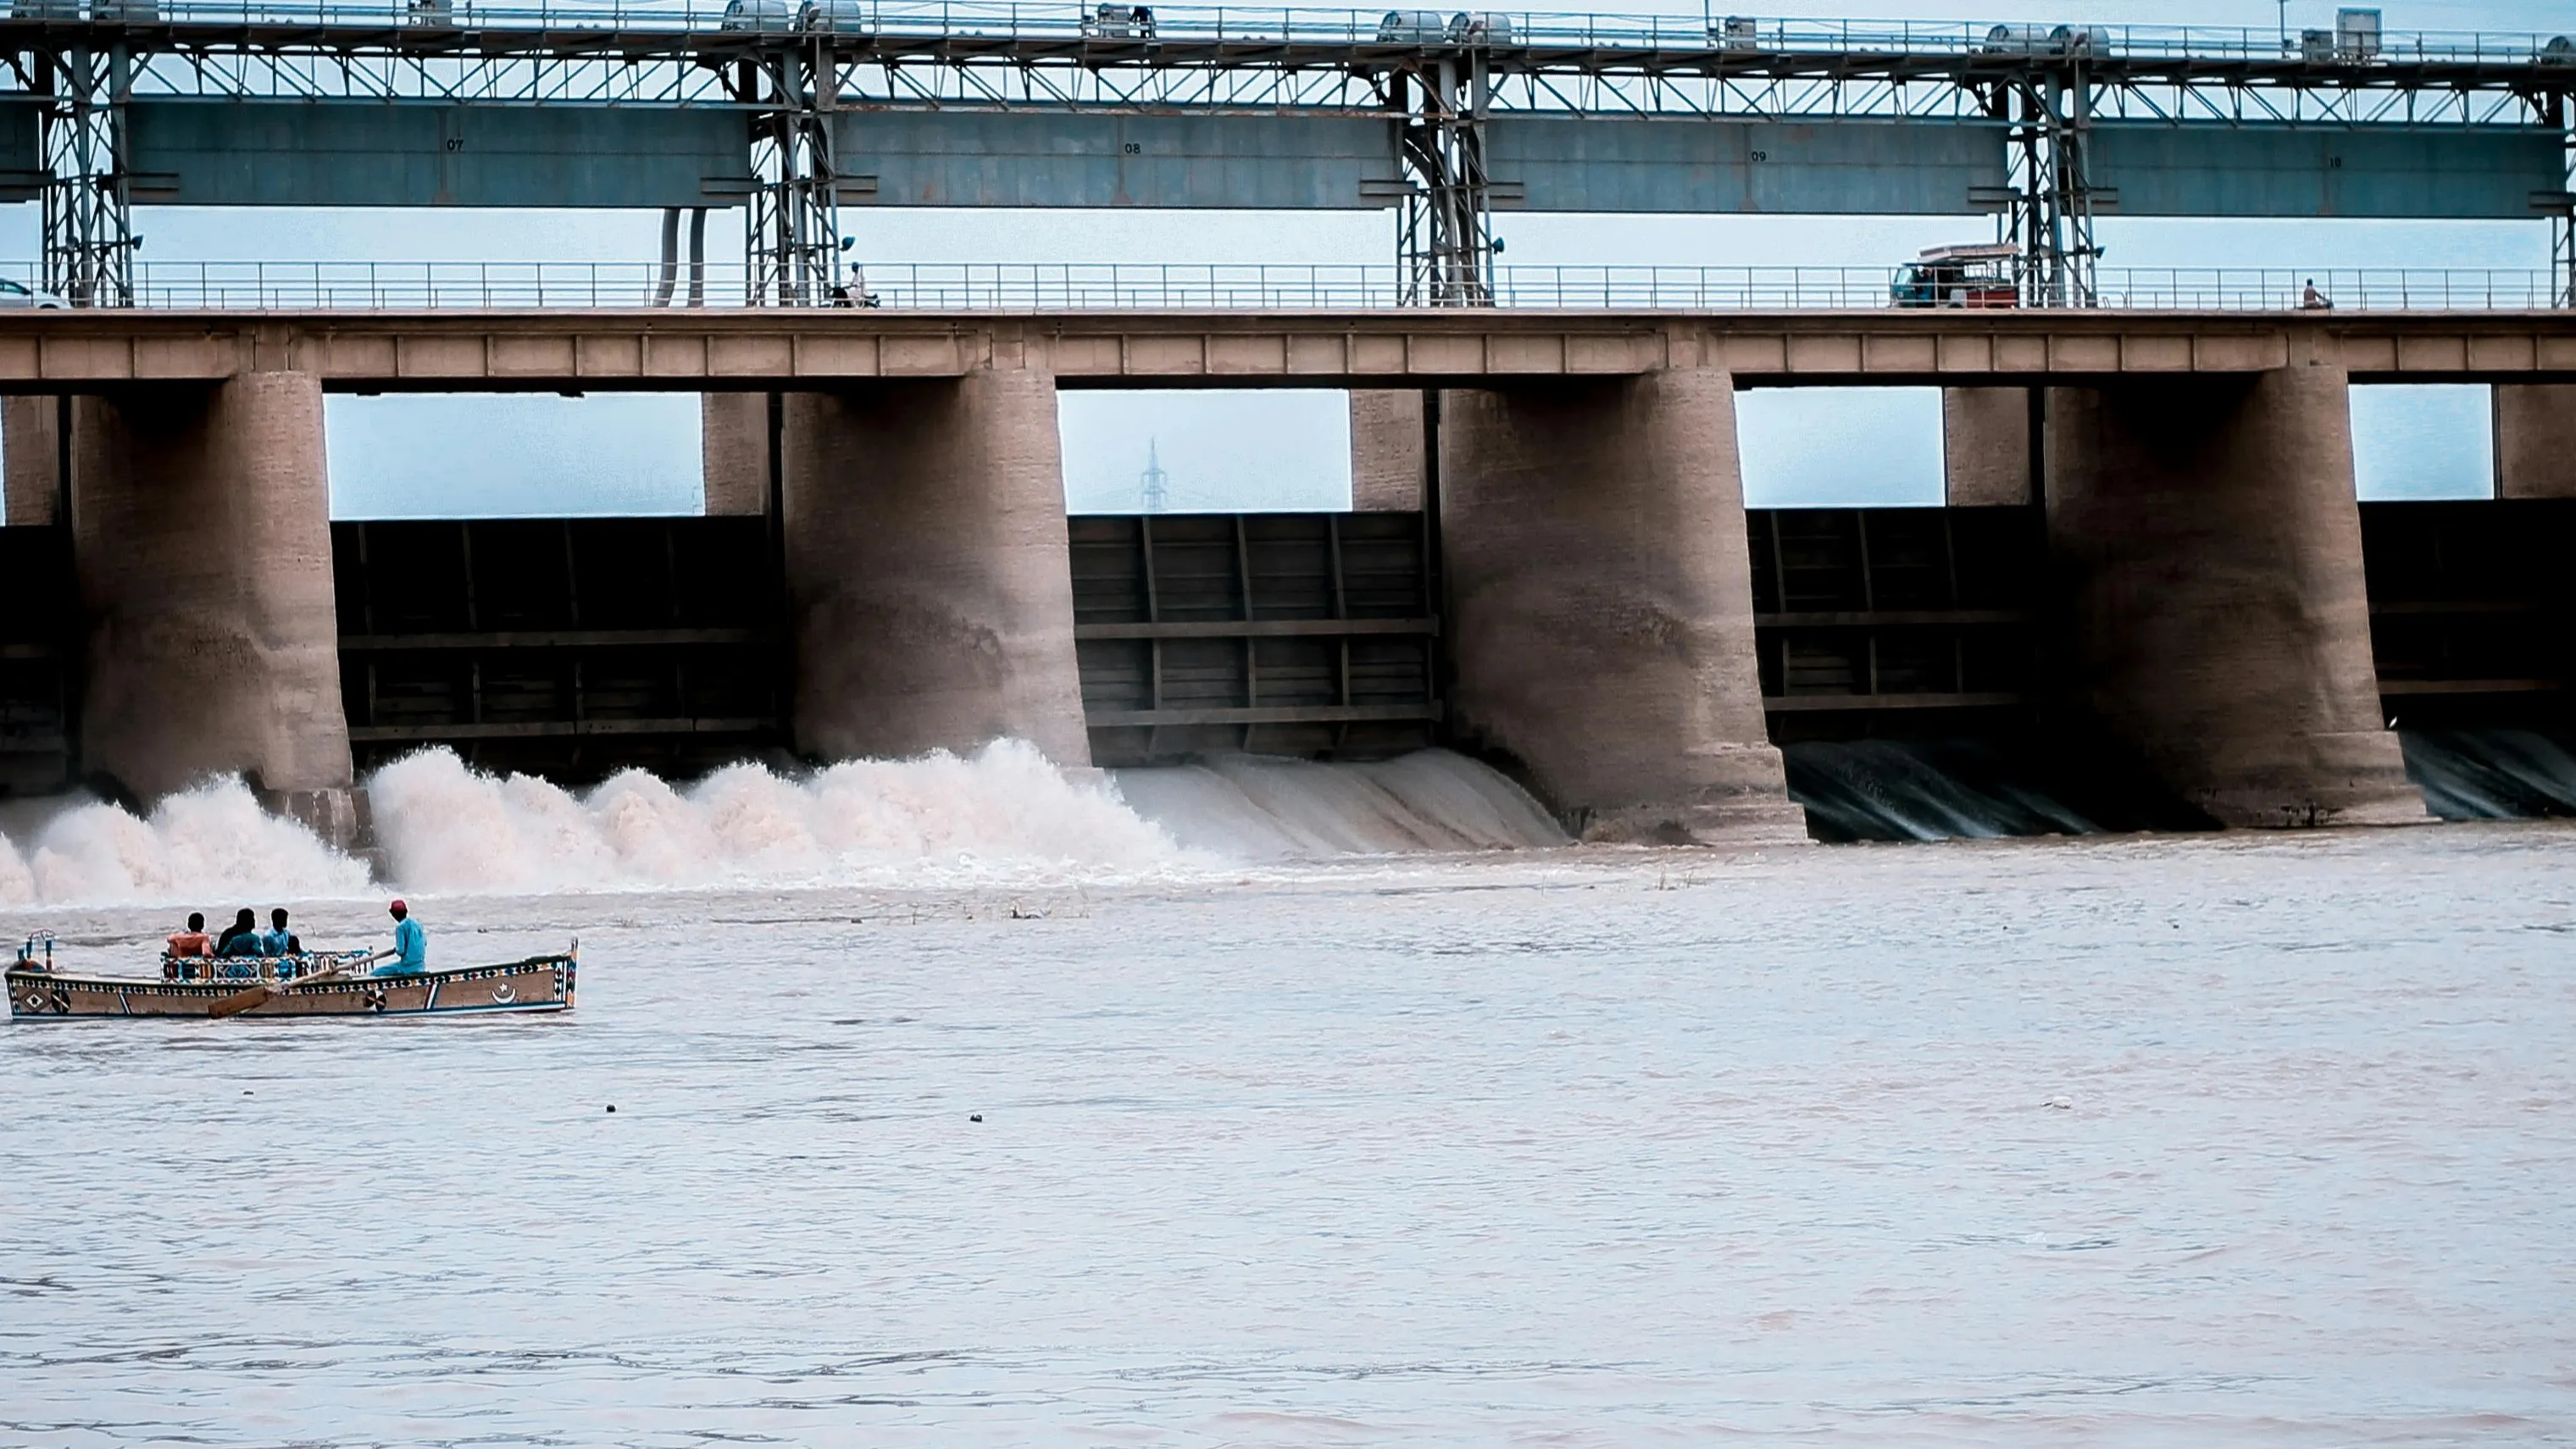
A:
(1259, 808)
(2143, 1141)
(211, 842)
(1001, 814)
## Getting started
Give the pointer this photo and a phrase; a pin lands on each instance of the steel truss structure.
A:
(89, 240)
(793, 244)
(2045, 89)
(1445, 232)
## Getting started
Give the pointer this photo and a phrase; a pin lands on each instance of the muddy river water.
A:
(2128, 1140)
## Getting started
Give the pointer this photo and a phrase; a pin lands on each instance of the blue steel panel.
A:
(2213, 169)
(1025, 158)
(377, 153)
(1642, 164)
(22, 154)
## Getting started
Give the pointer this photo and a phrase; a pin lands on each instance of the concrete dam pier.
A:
(2154, 538)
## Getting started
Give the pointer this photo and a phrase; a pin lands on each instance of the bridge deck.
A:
(709, 350)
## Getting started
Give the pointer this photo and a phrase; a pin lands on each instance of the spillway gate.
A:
(565, 647)
(1282, 633)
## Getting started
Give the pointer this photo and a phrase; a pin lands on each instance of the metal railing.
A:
(1124, 286)
(1073, 20)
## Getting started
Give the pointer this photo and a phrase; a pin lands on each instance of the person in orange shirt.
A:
(192, 943)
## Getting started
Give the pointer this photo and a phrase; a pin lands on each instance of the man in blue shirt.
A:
(410, 955)
(277, 940)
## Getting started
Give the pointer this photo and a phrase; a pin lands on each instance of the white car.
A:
(19, 294)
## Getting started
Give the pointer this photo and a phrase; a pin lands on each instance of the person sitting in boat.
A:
(193, 941)
(189, 945)
(277, 940)
(410, 954)
(239, 946)
(241, 938)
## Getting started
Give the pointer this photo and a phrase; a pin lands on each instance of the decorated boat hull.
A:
(540, 983)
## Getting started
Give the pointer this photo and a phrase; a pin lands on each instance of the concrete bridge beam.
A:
(2210, 543)
(202, 536)
(927, 570)
(1601, 605)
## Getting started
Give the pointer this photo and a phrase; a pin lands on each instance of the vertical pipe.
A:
(698, 259)
(669, 276)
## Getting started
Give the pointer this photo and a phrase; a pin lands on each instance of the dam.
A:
(2153, 543)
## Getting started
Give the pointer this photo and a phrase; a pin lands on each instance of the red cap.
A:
(398, 906)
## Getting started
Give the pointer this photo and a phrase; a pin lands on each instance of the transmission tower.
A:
(1154, 485)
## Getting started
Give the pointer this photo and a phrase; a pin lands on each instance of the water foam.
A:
(209, 843)
(1003, 812)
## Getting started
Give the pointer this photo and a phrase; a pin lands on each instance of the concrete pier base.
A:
(1602, 609)
(1985, 446)
(2210, 545)
(202, 530)
(30, 460)
(927, 569)
(2535, 441)
(733, 460)
(1386, 451)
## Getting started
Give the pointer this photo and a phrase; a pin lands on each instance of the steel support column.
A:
(2052, 210)
(2554, 111)
(88, 222)
(1445, 239)
(793, 242)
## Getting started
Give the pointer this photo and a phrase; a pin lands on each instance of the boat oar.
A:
(252, 997)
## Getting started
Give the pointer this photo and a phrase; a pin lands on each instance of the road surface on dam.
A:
(2114, 1141)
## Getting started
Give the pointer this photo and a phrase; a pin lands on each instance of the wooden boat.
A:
(294, 986)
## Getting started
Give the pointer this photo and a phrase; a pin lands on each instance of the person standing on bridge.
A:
(410, 955)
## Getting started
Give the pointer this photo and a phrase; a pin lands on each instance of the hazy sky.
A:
(395, 456)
